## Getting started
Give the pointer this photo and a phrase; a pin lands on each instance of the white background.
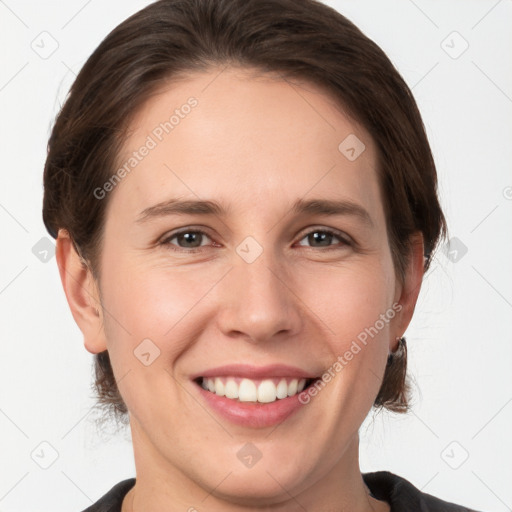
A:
(460, 346)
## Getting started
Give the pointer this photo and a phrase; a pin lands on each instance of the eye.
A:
(190, 239)
(324, 237)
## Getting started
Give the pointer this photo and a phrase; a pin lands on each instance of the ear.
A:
(82, 293)
(408, 291)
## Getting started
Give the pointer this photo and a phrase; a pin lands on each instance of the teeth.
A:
(219, 387)
(267, 392)
(247, 390)
(292, 387)
(282, 389)
(231, 389)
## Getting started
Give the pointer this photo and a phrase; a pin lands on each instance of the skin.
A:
(256, 145)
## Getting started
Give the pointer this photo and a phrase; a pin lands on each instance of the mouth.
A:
(263, 390)
(254, 396)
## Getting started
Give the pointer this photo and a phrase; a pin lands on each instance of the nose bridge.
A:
(258, 302)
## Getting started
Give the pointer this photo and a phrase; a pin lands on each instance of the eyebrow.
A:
(326, 207)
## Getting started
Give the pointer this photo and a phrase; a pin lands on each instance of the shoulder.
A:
(113, 499)
(404, 496)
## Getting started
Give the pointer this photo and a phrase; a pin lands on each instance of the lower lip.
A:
(252, 414)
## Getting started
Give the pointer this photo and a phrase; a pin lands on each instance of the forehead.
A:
(246, 140)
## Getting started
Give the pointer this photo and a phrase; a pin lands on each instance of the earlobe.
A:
(81, 292)
(412, 283)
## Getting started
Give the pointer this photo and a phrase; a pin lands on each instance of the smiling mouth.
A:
(254, 390)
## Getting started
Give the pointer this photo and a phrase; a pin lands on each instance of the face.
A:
(280, 279)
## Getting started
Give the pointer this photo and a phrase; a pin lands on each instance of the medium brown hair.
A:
(296, 39)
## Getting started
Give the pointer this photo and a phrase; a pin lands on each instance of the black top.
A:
(401, 495)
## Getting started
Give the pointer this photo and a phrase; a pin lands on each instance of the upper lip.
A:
(256, 372)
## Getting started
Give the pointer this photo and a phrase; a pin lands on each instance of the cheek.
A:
(359, 313)
(151, 300)
(352, 299)
(146, 313)
(167, 306)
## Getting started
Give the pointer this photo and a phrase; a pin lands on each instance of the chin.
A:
(247, 488)
(269, 481)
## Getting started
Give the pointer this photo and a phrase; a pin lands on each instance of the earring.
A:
(399, 352)
(394, 391)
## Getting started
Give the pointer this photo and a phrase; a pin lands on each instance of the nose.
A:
(258, 301)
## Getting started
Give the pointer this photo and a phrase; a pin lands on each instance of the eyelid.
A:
(188, 229)
(340, 234)
(343, 237)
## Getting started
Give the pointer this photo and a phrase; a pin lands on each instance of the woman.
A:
(244, 201)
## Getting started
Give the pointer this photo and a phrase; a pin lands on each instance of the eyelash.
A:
(343, 239)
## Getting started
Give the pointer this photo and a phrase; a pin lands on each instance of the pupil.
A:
(189, 238)
(322, 237)
(317, 236)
